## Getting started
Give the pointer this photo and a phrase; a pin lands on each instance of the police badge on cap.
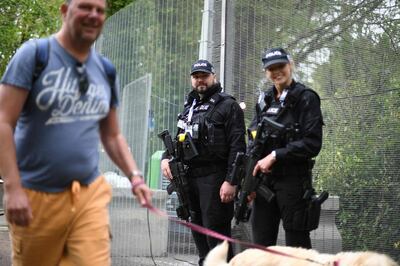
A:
(202, 66)
(275, 56)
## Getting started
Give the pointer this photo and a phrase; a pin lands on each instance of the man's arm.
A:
(117, 148)
(17, 206)
(236, 132)
(235, 128)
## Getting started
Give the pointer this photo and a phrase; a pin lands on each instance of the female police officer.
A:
(288, 163)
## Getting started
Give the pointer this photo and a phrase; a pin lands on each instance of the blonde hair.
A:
(292, 69)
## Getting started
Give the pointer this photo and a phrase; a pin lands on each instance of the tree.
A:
(349, 52)
(21, 20)
(114, 6)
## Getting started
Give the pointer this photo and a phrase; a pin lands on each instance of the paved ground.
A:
(5, 249)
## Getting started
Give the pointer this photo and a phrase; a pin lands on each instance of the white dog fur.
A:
(257, 257)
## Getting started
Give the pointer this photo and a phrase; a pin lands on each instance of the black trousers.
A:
(208, 211)
(287, 205)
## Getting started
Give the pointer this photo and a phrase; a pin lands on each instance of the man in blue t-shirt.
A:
(50, 129)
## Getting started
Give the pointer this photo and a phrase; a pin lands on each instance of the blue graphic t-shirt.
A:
(57, 134)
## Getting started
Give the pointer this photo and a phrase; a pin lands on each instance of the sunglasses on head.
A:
(83, 80)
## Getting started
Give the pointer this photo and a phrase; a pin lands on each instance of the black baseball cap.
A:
(202, 66)
(275, 56)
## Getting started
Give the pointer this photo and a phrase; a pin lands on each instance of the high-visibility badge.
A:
(182, 137)
(254, 134)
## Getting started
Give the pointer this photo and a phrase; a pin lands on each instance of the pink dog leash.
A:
(217, 235)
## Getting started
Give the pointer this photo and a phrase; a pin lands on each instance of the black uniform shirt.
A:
(307, 113)
(228, 114)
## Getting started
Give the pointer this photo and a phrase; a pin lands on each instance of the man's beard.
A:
(201, 89)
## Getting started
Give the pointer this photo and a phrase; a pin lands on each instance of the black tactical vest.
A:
(284, 112)
(208, 130)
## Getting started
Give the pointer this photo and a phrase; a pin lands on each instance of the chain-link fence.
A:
(348, 51)
(152, 44)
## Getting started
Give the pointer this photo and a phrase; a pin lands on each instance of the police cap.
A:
(202, 66)
(275, 56)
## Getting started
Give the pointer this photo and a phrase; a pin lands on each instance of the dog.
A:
(300, 257)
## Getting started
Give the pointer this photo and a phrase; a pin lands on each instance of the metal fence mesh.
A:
(157, 39)
(348, 51)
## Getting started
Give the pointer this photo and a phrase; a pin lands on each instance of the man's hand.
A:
(17, 208)
(251, 197)
(166, 171)
(227, 192)
(264, 165)
(141, 191)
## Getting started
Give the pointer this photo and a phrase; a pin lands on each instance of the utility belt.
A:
(205, 170)
(292, 169)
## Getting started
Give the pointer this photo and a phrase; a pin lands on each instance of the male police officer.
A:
(215, 122)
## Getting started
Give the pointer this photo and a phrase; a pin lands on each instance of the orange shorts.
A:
(68, 228)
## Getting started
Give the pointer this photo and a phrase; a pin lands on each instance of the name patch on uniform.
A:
(203, 107)
(181, 124)
(273, 110)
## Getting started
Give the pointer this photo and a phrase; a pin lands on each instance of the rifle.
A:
(243, 166)
(180, 150)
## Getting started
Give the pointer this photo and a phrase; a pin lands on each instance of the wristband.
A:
(136, 182)
(135, 173)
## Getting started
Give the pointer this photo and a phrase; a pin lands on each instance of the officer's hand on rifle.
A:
(264, 165)
(227, 192)
(166, 171)
(251, 197)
